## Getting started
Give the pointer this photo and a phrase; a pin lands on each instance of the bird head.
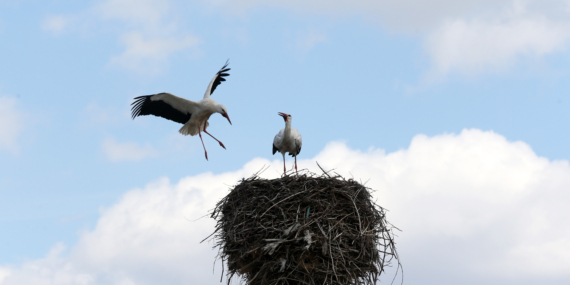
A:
(224, 113)
(286, 117)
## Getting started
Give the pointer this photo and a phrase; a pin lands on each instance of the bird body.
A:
(193, 115)
(288, 140)
(199, 120)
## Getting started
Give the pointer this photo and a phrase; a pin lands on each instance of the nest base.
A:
(303, 229)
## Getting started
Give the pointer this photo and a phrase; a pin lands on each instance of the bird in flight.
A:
(193, 115)
(287, 140)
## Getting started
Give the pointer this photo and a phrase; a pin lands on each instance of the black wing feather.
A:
(143, 106)
(220, 76)
(275, 149)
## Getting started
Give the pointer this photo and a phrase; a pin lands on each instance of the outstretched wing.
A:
(164, 105)
(217, 80)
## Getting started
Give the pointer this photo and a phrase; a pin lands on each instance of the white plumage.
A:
(288, 140)
(193, 115)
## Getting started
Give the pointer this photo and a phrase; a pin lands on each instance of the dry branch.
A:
(304, 229)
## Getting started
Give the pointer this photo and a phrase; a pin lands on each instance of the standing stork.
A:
(193, 115)
(288, 140)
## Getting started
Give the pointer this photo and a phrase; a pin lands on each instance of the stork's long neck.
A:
(287, 129)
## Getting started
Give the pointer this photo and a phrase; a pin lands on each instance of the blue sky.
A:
(373, 77)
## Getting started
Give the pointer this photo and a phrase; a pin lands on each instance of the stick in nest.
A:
(346, 239)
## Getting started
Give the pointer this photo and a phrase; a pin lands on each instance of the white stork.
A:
(288, 140)
(193, 115)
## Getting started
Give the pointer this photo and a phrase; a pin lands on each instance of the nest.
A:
(303, 229)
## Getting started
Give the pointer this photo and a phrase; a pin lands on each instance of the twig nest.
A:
(303, 229)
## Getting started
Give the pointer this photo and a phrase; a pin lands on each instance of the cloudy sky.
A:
(456, 112)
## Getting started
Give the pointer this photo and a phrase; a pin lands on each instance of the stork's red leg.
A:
(221, 144)
(296, 165)
(284, 168)
(199, 133)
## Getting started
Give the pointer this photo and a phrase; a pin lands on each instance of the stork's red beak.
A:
(227, 117)
(283, 115)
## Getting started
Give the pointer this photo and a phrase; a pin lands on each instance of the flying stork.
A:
(287, 140)
(193, 115)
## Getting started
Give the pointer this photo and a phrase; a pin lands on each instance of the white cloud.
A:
(476, 45)
(148, 237)
(150, 54)
(127, 151)
(153, 36)
(147, 30)
(11, 124)
(472, 205)
(4, 273)
(493, 203)
(468, 36)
